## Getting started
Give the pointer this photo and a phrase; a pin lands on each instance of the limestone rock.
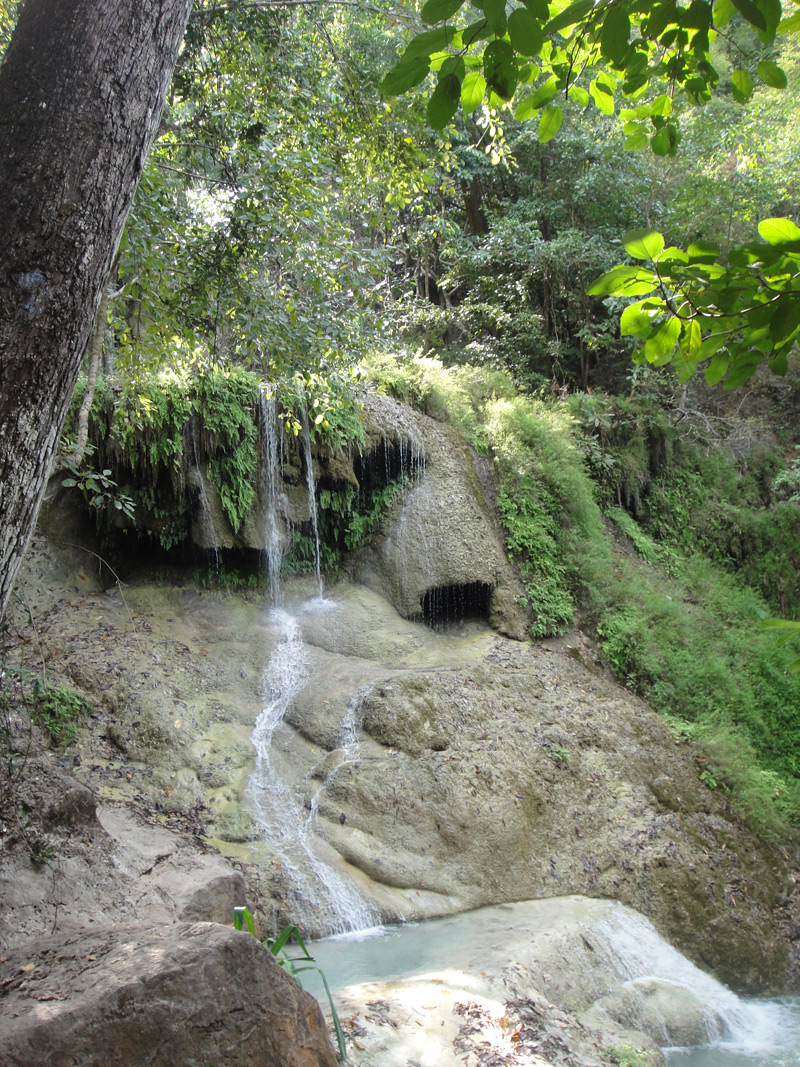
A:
(131, 996)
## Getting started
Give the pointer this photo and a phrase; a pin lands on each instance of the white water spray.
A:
(325, 900)
(312, 496)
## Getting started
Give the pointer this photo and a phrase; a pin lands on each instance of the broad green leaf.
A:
(691, 340)
(703, 252)
(684, 366)
(742, 370)
(602, 96)
(444, 102)
(525, 32)
(660, 347)
(569, 16)
(578, 94)
(662, 106)
(424, 44)
(636, 142)
(779, 364)
(531, 104)
(660, 17)
(405, 75)
(495, 12)
(742, 86)
(500, 68)
(786, 318)
(779, 231)
(751, 12)
(723, 12)
(539, 8)
(440, 10)
(791, 22)
(473, 91)
(615, 35)
(476, 31)
(643, 244)
(771, 74)
(624, 281)
(665, 142)
(637, 319)
(550, 123)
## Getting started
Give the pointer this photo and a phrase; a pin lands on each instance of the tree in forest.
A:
(81, 90)
(737, 307)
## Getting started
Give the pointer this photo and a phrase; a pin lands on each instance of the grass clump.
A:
(59, 711)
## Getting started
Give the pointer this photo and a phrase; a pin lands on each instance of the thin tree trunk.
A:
(82, 85)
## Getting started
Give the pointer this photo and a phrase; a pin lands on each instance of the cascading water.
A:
(312, 495)
(324, 900)
(275, 503)
(737, 1031)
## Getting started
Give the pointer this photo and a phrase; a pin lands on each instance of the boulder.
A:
(160, 996)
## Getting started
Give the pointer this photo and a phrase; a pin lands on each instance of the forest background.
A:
(298, 224)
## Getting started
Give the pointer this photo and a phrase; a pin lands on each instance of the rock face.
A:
(107, 863)
(442, 551)
(131, 996)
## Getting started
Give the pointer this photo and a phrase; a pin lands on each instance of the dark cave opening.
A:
(456, 603)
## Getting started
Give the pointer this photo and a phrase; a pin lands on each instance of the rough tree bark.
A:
(81, 90)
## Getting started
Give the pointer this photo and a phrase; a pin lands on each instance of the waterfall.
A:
(645, 961)
(312, 496)
(274, 499)
(324, 900)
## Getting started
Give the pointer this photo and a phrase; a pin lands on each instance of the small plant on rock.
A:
(294, 965)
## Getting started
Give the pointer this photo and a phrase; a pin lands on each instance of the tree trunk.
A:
(81, 90)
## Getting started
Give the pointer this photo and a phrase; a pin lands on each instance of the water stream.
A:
(741, 1032)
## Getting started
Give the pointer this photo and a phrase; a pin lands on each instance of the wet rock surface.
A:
(479, 769)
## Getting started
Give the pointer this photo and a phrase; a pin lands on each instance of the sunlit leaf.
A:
(779, 232)
(550, 123)
(473, 91)
(643, 244)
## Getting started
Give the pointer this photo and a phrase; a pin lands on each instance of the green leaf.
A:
(779, 231)
(495, 12)
(703, 252)
(500, 68)
(779, 364)
(69, 482)
(550, 123)
(691, 340)
(424, 44)
(716, 369)
(643, 244)
(660, 347)
(637, 319)
(444, 102)
(440, 10)
(786, 318)
(539, 8)
(603, 97)
(476, 31)
(636, 142)
(578, 94)
(624, 281)
(660, 17)
(525, 32)
(742, 86)
(543, 95)
(405, 75)
(771, 74)
(473, 91)
(723, 12)
(569, 16)
(665, 142)
(749, 11)
(615, 35)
